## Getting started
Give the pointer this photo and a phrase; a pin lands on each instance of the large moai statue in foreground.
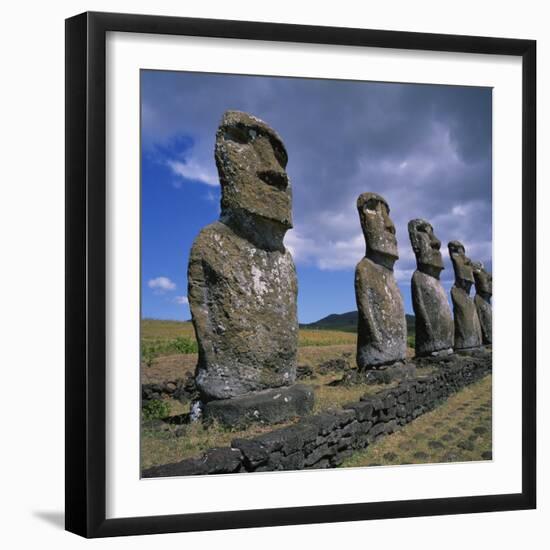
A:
(467, 327)
(382, 328)
(484, 291)
(434, 322)
(242, 283)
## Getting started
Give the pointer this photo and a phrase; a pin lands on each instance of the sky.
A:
(427, 149)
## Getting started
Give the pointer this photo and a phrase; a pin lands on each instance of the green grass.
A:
(170, 348)
(314, 337)
(460, 430)
(334, 397)
(457, 431)
(168, 445)
(338, 328)
(151, 349)
(159, 338)
(162, 338)
(160, 445)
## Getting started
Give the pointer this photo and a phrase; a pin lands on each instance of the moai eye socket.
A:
(372, 205)
(238, 134)
(280, 154)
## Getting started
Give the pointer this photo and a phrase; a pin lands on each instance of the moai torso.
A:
(466, 321)
(242, 281)
(382, 328)
(433, 319)
(482, 300)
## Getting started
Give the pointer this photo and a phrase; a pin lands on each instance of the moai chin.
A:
(466, 321)
(382, 328)
(242, 283)
(484, 290)
(433, 319)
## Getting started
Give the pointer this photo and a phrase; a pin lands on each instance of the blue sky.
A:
(426, 149)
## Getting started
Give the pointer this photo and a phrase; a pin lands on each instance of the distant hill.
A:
(347, 322)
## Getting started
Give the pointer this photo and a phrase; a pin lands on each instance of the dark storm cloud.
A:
(426, 149)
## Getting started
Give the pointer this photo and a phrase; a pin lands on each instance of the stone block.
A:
(266, 407)
(222, 460)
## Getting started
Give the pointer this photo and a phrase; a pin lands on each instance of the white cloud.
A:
(403, 276)
(181, 300)
(161, 284)
(192, 170)
(427, 151)
(459, 210)
(327, 256)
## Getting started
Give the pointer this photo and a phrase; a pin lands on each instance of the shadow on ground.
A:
(57, 519)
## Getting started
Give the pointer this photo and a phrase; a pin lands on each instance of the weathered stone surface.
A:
(254, 452)
(382, 329)
(242, 281)
(363, 410)
(466, 321)
(223, 460)
(182, 389)
(433, 319)
(484, 291)
(291, 439)
(381, 375)
(267, 406)
(338, 364)
(304, 372)
(326, 422)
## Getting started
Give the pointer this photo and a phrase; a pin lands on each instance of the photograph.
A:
(316, 273)
(266, 236)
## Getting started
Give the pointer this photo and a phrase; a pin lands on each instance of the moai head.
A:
(464, 276)
(483, 280)
(426, 247)
(251, 161)
(378, 229)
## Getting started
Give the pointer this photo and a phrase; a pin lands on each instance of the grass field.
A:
(166, 333)
(447, 432)
(460, 430)
(167, 338)
(171, 443)
(168, 443)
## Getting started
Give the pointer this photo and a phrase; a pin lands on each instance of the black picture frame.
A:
(86, 269)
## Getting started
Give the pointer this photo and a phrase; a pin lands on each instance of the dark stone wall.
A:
(182, 389)
(325, 440)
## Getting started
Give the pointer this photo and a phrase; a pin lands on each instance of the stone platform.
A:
(266, 407)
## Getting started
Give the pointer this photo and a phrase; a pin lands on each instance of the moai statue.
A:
(382, 329)
(484, 291)
(242, 282)
(434, 322)
(467, 327)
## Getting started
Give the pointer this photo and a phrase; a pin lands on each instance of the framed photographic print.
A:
(281, 242)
